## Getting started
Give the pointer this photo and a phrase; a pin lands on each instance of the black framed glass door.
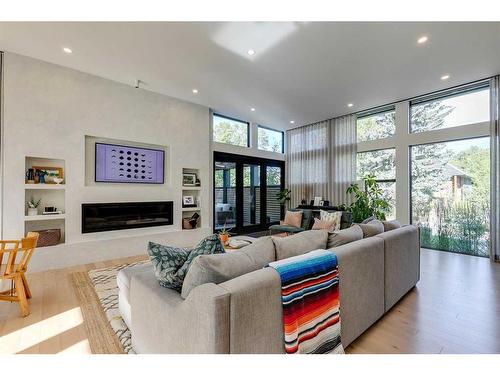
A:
(245, 191)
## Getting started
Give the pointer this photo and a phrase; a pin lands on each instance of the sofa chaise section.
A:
(164, 323)
(402, 262)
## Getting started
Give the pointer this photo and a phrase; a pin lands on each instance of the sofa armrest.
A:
(162, 322)
(256, 314)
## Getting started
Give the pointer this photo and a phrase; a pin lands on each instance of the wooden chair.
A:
(15, 272)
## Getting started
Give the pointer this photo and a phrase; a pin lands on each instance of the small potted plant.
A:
(33, 207)
(224, 235)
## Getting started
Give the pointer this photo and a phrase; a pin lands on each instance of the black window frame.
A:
(274, 130)
(232, 119)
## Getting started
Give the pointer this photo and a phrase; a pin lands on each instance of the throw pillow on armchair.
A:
(293, 219)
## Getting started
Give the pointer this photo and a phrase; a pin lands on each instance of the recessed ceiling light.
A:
(422, 39)
(350, 105)
(67, 50)
(252, 109)
(251, 52)
(445, 77)
(292, 122)
(195, 91)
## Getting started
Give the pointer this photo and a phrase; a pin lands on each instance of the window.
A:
(372, 126)
(230, 131)
(381, 164)
(447, 110)
(450, 187)
(270, 140)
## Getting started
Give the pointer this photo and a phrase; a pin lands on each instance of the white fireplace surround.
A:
(48, 111)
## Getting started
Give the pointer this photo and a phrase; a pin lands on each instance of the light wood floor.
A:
(455, 308)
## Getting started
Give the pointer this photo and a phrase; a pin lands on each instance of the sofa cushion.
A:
(391, 225)
(171, 264)
(344, 236)
(373, 228)
(219, 268)
(300, 243)
(293, 219)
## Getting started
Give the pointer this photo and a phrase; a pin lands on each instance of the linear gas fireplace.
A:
(100, 217)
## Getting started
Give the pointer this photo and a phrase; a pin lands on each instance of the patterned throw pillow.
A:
(172, 263)
(334, 216)
(323, 224)
(167, 261)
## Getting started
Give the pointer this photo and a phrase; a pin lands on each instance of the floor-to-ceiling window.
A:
(431, 157)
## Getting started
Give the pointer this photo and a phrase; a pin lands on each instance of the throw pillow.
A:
(334, 216)
(167, 260)
(208, 245)
(391, 224)
(373, 228)
(367, 220)
(219, 268)
(344, 236)
(323, 224)
(293, 218)
(300, 243)
(171, 264)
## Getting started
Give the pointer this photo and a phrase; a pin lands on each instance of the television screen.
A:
(116, 163)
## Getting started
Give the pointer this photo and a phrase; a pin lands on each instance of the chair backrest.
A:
(9, 250)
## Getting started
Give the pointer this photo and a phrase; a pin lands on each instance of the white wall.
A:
(48, 111)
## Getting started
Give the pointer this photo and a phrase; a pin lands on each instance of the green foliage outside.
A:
(446, 223)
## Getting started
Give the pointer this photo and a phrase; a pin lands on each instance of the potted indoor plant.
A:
(224, 235)
(369, 202)
(283, 197)
(33, 207)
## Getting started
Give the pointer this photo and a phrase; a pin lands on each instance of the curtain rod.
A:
(396, 101)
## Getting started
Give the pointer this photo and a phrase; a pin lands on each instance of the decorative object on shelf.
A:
(118, 163)
(49, 237)
(58, 180)
(303, 202)
(188, 201)
(30, 176)
(190, 222)
(198, 182)
(33, 206)
(51, 211)
(189, 179)
(317, 201)
(368, 202)
(46, 175)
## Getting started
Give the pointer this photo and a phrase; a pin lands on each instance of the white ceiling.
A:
(305, 72)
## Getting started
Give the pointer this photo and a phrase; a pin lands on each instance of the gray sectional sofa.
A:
(243, 314)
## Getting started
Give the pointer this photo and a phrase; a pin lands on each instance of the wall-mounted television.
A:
(126, 164)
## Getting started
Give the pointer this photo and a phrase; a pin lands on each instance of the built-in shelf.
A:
(45, 217)
(192, 188)
(187, 209)
(44, 186)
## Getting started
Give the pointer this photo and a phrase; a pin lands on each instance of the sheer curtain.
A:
(321, 160)
(307, 164)
(495, 167)
(343, 146)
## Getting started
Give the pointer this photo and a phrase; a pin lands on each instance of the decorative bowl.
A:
(58, 180)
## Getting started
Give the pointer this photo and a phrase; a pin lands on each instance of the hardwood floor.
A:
(455, 308)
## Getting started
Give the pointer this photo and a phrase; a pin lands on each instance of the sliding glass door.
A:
(245, 190)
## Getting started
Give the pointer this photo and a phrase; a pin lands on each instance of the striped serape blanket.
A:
(311, 302)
